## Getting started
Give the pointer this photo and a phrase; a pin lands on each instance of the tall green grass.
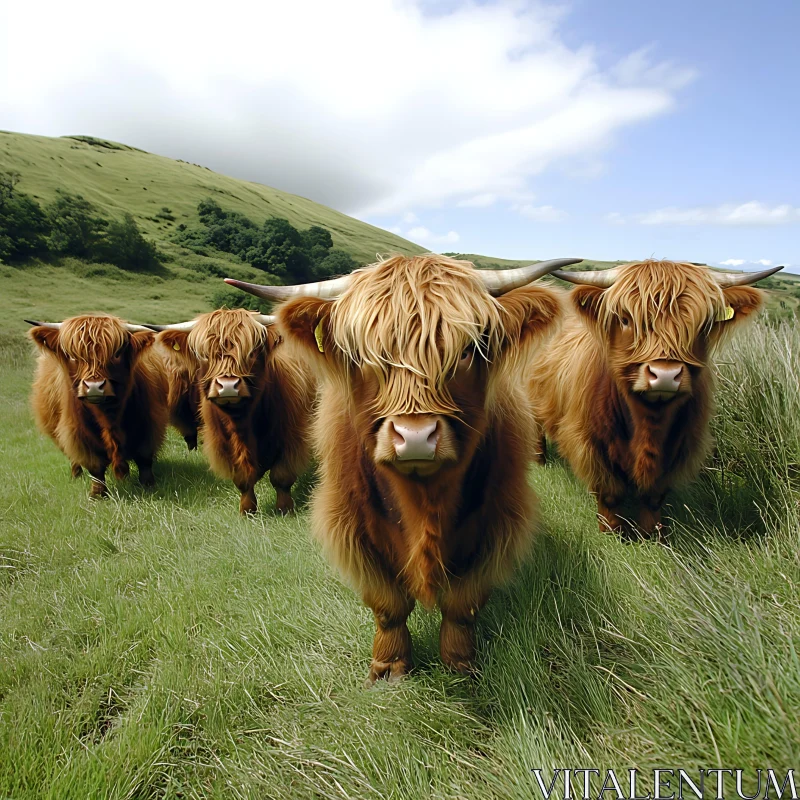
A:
(158, 646)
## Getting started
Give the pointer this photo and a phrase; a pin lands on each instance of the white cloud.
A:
(747, 214)
(478, 201)
(372, 108)
(541, 213)
(732, 262)
(422, 235)
(615, 218)
(765, 262)
(410, 218)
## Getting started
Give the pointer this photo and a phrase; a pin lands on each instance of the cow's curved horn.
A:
(500, 281)
(178, 326)
(266, 319)
(726, 279)
(129, 326)
(327, 290)
(602, 278)
(55, 325)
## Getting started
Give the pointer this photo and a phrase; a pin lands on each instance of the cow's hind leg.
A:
(145, 466)
(283, 479)
(460, 606)
(391, 648)
(99, 488)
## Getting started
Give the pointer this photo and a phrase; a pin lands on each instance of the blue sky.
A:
(731, 139)
(612, 129)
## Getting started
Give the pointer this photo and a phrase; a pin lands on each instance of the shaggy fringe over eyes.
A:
(92, 340)
(227, 340)
(668, 303)
(410, 319)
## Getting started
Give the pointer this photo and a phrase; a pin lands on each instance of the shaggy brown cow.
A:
(255, 402)
(99, 394)
(183, 399)
(626, 391)
(424, 435)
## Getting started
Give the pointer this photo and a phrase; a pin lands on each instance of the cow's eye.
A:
(466, 357)
(625, 321)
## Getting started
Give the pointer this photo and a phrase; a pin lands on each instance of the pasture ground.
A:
(155, 645)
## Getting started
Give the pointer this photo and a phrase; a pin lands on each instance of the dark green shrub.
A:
(23, 224)
(76, 229)
(125, 247)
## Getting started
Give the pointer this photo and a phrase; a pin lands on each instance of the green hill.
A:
(118, 178)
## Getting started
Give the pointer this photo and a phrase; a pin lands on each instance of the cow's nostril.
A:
(397, 437)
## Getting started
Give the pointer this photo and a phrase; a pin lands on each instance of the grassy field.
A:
(155, 645)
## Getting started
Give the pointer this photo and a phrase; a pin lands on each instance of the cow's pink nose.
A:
(94, 388)
(664, 379)
(415, 441)
(227, 387)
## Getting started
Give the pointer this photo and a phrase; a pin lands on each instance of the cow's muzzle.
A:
(415, 444)
(661, 381)
(223, 391)
(94, 391)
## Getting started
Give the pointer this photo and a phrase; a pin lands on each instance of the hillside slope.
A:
(118, 178)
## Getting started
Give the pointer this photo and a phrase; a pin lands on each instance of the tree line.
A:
(277, 247)
(69, 226)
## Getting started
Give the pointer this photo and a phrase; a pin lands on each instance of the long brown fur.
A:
(625, 450)
(95, 437)
(269, 432)
(183, 398)
(391, 345)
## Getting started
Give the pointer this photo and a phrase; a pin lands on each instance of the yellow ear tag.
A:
(725, 315)
(318, 336)
(176, 346)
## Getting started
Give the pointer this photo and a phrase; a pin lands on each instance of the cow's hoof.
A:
(147, 480)
(99, 491)
(191, 442)
(461, 667)
(392, 671)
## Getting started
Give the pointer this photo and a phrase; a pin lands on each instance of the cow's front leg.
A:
(391, 648)
(76, 470)
(145, 466)
(460, 607)
(608, 506)
(649, 516)
(248, 504)
(540, 456)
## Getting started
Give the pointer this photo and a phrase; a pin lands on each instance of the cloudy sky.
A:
(614, 129)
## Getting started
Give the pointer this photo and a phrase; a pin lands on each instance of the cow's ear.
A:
(586, 300)
(46, 339)
(174, 340)
(140, 341)
(744, 301)
(529, 311)
(305, 322)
